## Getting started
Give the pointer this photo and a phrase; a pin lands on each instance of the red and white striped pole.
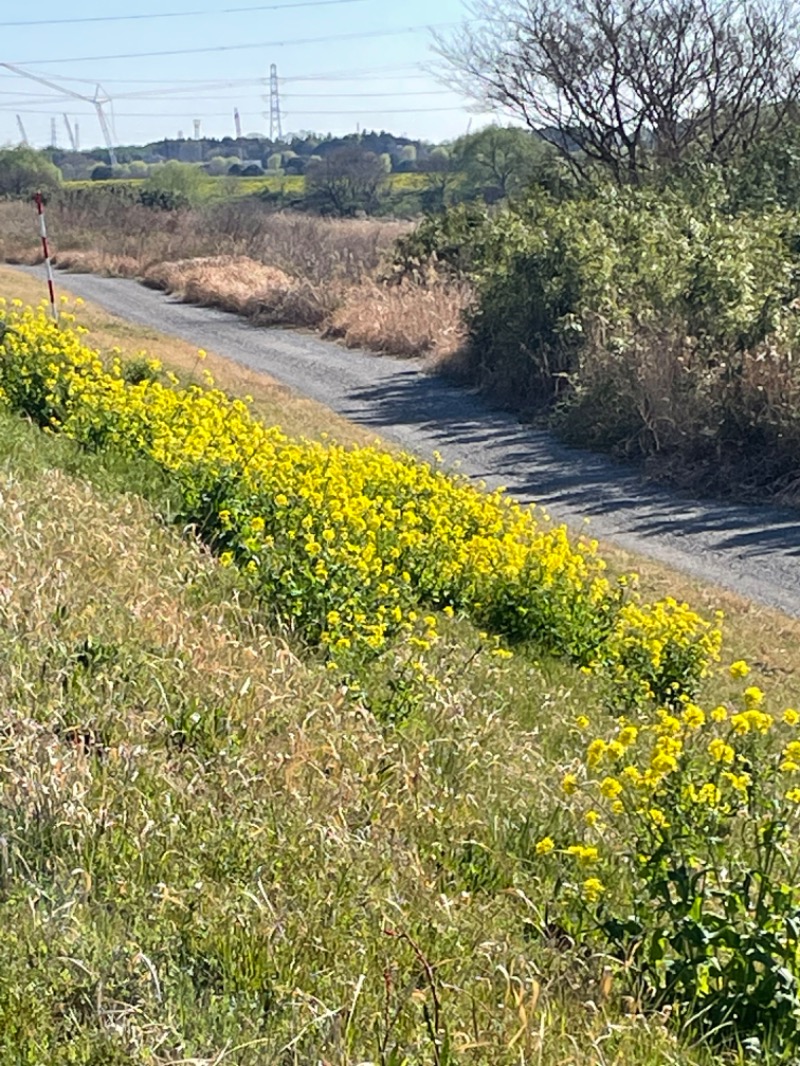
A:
(39, 201)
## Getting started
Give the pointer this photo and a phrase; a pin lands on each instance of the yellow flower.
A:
(585, 854)
(226, 559)
(628, 735)
(658, 818)
(569, 784)
(720, 751)
(719, 714)
(793, 795)
(751, 720)
(595, 752)
(753, 697)
(611, 788)
(370, 534)
(739, 669)
(693, 716)
(708, 795)
(545, 846)
(790, 716)
(668, 723)
(632, 774)
(593, 889)
(592, 817)
(739, 782)
(582, 722)
(662, 764)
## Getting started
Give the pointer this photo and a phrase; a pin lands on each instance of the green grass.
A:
(210, 851)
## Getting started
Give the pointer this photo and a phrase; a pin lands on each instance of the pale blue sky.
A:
(327, 85)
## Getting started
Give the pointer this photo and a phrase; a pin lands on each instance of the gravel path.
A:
(754, 551)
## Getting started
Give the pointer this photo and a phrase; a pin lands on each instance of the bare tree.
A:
(634, 83)
(346, 181)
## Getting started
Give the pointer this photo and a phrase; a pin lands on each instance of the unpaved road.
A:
(754, 551)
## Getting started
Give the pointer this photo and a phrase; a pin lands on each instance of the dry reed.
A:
(240, 256)
(405, 320)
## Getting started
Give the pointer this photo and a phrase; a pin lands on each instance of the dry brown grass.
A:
(276, 269)
(303, 246)
(305, 303)
(246, 287)
(406, 320)
(95, 262)
(227, 282)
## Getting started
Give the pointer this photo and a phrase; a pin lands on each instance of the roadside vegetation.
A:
(639, 295)
(232, 834)
(313, 752)
(661, 325)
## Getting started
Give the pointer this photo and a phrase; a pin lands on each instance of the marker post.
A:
(39, 201)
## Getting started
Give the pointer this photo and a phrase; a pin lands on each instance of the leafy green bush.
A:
(175, 185)
(657, 320)
(24, 171)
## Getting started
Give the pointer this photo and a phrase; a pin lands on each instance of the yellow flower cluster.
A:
(667, 788)
(654, 648)
(346, 544)
(676, 766)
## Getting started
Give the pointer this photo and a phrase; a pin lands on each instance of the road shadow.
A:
(536, 467)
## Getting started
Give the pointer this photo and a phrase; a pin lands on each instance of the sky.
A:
(342, 65)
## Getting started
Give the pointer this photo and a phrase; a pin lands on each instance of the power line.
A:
(361, 96)
(253, 114)
(327, 39)
(195, 95)
(179, 14)
(378, 73)
(370, 72)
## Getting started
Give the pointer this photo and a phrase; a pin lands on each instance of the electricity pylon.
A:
(98, 101)
(275, 122)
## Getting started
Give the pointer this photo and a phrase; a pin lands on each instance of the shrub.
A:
(24, 171)
(656, 321)
(174, 185)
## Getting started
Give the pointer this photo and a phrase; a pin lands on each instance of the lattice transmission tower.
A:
(275, 121)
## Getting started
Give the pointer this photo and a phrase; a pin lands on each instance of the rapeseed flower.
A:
(593, 889)
(375, 537)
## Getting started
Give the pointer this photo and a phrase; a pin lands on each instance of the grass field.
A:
(212, 850)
